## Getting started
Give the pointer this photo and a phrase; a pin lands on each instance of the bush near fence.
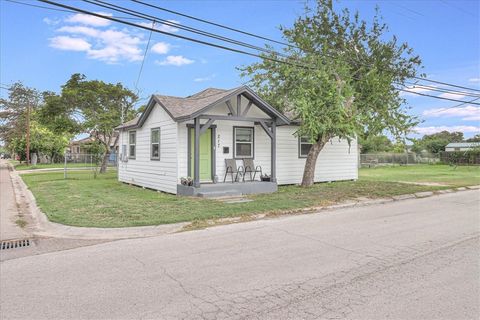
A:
(465, 158)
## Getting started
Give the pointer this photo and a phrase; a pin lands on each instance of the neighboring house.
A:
(158, 148)
(79, 148)
(461, 146)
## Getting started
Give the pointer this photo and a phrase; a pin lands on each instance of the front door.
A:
(205, 154)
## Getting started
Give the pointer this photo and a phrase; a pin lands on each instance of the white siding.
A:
(224, 138)
(337, 160)
(156, 174)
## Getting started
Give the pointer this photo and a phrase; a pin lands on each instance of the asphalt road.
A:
(412, 259)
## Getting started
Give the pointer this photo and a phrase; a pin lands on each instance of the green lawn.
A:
(23, 166)
(440, 174)
(105, 202)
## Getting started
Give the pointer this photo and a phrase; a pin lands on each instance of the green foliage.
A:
(436, 142)
(42, 140)
(339, 79)
(468, 157)
(14, 112)
(348, 83)
(475, 138)
(375, 144)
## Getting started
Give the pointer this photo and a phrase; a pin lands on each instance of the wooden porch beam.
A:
(273, 157)
(235, 118)
(247, 108)
(230, 107)
(207, 125)
(196, 153)
(266, 129)
(239, 104)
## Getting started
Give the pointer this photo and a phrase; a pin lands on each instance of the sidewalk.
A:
(9, 212)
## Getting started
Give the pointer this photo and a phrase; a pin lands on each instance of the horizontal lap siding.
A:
(156, 174)
(224, 138)
(337, 160)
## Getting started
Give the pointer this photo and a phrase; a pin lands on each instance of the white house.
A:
(206, 135)
(461, 146)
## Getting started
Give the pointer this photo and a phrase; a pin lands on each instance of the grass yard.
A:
(23, 166)
(105, 202)
(439, 174)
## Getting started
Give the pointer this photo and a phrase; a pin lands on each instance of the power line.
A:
(223, 47)
(430, 88)
(144, 56)
(170, 34)
(214, 24)
(442, 98)
(179, 26)
(198, 31)
(54, 9)
(446, 84)
(455, 106)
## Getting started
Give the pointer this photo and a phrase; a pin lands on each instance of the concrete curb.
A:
(44, 227)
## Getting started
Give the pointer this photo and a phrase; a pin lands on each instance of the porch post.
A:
(273, 158)
(196, 153)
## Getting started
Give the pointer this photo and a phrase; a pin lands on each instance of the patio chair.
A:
(250, 167)
(231, 167)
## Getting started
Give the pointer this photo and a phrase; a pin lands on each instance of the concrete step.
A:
(219, 194)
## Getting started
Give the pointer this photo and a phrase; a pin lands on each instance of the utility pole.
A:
(28, 134)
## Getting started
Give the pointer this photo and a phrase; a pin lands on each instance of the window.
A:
(78, 149)
(243, 142)
(132, 141)
(456, 149)
(304, 146)
(123, 155)
(155, 144)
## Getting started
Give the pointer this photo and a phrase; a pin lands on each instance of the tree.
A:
(102, 106)
(15, 115)
(436, 142)
(338, 78)
(475, 138)
(374, 144)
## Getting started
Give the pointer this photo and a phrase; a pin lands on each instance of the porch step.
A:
(219, 194)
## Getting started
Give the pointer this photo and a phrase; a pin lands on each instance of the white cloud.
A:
(51, 22)
(110, 45)
(69, 43)
(452, 95)
(87, 31)
(435, 129)
(161, 48)
(89, 19)
(468, 113)
(474, 80)
(162, 27)
(208, 78)
(174, 61)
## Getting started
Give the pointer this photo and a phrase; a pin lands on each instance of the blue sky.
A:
(42, 48)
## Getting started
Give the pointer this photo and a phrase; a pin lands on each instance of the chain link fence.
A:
(382, 159)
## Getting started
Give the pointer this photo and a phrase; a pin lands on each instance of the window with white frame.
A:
(132, 142)
(243, 139)
(155, 144)
(304, 146)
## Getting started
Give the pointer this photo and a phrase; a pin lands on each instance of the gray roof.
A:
(463, 145)
(181, 109)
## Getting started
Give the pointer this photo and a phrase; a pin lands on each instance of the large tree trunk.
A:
(103, 167)
(106, 155)
(309, 170)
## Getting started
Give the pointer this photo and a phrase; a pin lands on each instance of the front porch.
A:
(210, 190)
(222, 137)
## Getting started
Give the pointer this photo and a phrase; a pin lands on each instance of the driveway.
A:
(412, 259)
(9, 212)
